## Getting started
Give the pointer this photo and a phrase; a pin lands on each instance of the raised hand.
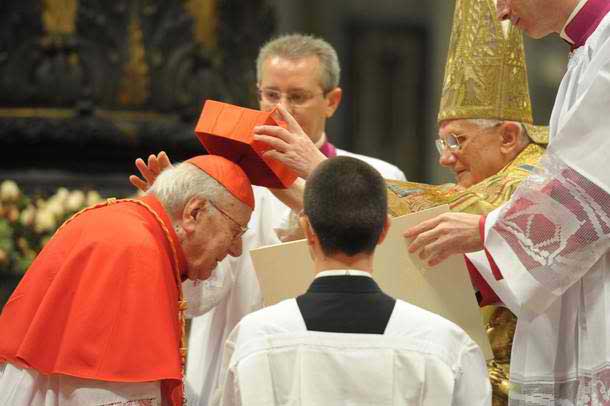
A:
(445, 235)
(291, 145)
(149, 171)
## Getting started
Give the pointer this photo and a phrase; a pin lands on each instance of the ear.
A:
(386, 228)
(310, 235)
(194, 207)
(333, 99)
(510, 133)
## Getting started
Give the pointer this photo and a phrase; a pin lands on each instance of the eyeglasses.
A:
(296, 98)
(452, 142)
(242, 229)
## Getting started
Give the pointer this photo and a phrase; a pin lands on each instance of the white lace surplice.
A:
(552, 243)
(27, 387)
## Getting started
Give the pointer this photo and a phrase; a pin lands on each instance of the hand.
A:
(156, 164)
(291, 146)
(292, 196)
(445, 235)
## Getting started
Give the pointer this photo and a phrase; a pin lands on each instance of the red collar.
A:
(586, 21)
(156, 205)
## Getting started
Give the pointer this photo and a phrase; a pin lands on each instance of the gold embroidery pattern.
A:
(485, 196)
(485, 75)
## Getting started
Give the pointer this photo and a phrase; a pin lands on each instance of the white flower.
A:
(54, 207)
(62, 194)
(41, 203)
(93, 197)
(75, 200)
(27, 215)
(44, 221)
(9, 191)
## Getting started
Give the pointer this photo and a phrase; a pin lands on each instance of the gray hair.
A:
(483, 123)
(298, 46)
(175, 186)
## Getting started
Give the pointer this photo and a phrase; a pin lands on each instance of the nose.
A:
(236, 248)
(447, 158)
(285, 104)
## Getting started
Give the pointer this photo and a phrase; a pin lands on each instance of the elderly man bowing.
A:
(98, 318)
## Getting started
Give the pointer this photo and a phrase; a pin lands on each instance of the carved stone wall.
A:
(87, 86)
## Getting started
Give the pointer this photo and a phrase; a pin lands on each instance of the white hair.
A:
(175, 186)
(298, 46)
(484, 123)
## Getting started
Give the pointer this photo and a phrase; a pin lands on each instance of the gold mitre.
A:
(485, 75)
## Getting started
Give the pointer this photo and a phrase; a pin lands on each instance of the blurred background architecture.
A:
(87, 86)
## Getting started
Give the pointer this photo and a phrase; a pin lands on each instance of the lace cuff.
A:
(557, 225)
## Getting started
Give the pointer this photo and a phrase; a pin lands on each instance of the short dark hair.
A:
(346, 203)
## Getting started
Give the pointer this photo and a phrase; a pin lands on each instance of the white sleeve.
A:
(557, 224)
(27, 387)
(227, 391)
(551, 233)
(472, 386)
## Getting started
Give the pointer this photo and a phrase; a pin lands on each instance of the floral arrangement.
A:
(27, 223)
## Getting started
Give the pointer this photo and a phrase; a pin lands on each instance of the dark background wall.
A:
(87, 86)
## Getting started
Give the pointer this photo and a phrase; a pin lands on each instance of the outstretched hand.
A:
(149, 171)
(291, 145)
(445, 235)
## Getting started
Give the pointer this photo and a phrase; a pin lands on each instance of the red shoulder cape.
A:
(101, 301)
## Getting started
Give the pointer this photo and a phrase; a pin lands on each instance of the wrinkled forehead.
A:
(458, 126)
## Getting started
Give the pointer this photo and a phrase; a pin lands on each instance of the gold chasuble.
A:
(485, 78)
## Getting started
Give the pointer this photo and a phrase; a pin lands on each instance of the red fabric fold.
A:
(227, 130)
(486, 293)
(495, 270)
(100, 301)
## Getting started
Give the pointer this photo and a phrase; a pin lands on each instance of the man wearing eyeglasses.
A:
(301, 74)
(486, 138)
(546, 252)
(99, 317)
